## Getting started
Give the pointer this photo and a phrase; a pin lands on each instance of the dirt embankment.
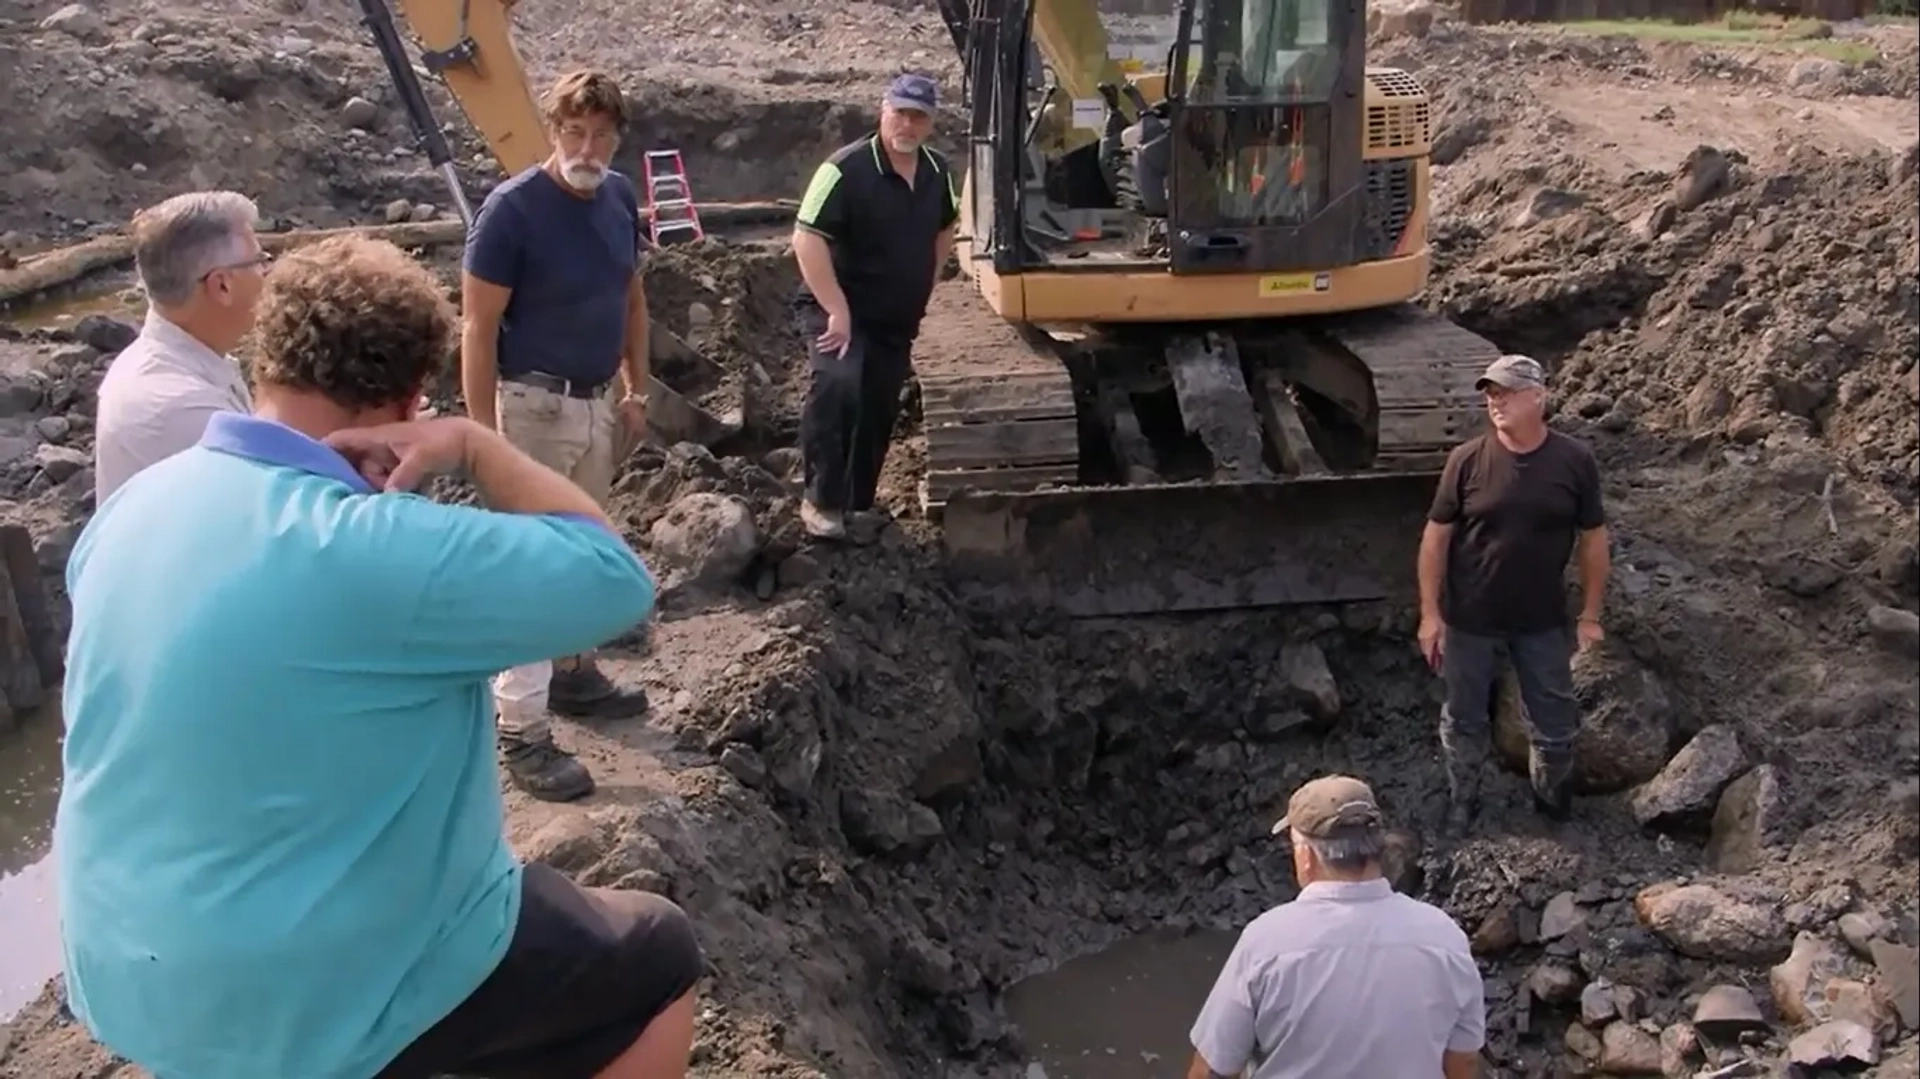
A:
(885, 804)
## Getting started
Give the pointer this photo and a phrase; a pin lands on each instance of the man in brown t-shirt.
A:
(1513, 504)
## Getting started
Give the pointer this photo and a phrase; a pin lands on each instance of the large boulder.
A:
(1626, 722)
(705, 540)
(1724, 921)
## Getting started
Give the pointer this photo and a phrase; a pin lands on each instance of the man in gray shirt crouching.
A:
(1351, 980)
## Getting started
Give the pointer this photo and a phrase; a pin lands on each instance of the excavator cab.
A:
(1241, 153)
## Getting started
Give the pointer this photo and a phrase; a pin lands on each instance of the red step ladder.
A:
(671, 211)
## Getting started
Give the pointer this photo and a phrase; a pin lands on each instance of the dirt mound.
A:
(1688, 301)
(1659, 249)
(117, 107)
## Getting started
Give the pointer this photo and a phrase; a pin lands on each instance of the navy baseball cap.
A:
(914, 92)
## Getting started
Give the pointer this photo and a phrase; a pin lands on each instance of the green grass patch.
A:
(1739, 28)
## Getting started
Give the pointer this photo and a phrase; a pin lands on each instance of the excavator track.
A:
(1423, 369)
(996, 403)
(1274, 524)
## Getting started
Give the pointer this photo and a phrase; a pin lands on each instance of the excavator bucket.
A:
(1092, 552)
(679, 374)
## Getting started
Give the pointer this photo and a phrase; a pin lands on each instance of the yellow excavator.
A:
(1191, 377)
(1199, 224)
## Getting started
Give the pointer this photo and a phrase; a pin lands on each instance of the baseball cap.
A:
(1329, 804)
(914, 92)
(1515, 372)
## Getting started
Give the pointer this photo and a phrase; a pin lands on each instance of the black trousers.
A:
(846, 424)
(588, 970)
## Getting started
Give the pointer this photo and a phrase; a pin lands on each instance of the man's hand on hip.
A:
(402, 456)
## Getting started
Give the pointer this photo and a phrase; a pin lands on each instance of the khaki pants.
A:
(575, 437)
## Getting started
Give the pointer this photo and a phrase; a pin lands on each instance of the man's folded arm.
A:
(497, 590)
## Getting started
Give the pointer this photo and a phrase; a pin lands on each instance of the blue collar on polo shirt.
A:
(277, 444)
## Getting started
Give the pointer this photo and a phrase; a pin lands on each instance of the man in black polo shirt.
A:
(1513, 503)
(873, 229)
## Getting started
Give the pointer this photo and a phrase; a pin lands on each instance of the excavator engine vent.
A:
(1389, 204)
(1404, 121)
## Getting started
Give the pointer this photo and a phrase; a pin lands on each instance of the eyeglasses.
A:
(256, 262)
(598, 137)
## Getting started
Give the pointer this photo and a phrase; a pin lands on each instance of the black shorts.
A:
(588, 970)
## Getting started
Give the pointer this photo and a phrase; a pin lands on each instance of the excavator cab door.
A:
(1267, 171)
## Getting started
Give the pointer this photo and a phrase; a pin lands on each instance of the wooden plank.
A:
(982, 445)
(30, 598)
(940, 486)
(1298, 457)
(19, 673)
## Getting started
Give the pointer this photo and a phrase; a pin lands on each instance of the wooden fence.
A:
(1689, 11)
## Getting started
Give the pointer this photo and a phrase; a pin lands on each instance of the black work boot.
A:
(544, 770)
(585, 691)
(1550, 775)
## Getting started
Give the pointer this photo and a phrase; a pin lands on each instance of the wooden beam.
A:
(52, 269)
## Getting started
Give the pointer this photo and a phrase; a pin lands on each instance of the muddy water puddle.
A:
(1123, 1013)
(29, 925)
(114, 298)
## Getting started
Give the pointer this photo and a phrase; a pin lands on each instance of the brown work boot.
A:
(586, 692)
(822, 524)
(544, 770)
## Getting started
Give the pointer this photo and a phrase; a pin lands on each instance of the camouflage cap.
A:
(1513, 372)
(1329, 804)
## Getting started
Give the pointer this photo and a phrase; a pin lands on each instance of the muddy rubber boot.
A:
(1462, 810)
(586, 692)
(1463, 790)
(822, 524)
(544, 770)
(1550, 776)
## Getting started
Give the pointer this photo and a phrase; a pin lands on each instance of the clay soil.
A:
(884, 804)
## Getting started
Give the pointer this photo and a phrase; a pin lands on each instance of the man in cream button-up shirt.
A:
(201, 265)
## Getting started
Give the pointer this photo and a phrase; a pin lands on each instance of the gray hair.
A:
(1348, 850)
(181, 240)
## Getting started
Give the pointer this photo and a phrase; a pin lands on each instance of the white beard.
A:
(904, 146)
(582, 176)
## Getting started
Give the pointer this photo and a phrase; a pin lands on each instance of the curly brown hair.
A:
(580, 94)
(355, 320)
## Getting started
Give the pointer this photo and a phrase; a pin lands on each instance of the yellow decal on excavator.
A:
(1288, 283)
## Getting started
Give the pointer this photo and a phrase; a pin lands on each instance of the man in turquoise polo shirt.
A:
(280, 837)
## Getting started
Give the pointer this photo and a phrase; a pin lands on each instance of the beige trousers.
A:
(575, 437)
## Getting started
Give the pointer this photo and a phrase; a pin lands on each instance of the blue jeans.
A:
(1471, 666)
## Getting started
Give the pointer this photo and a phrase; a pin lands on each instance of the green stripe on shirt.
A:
(818, 189)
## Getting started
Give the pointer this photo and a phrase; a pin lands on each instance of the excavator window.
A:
(1263, 51)
(1253, 138)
